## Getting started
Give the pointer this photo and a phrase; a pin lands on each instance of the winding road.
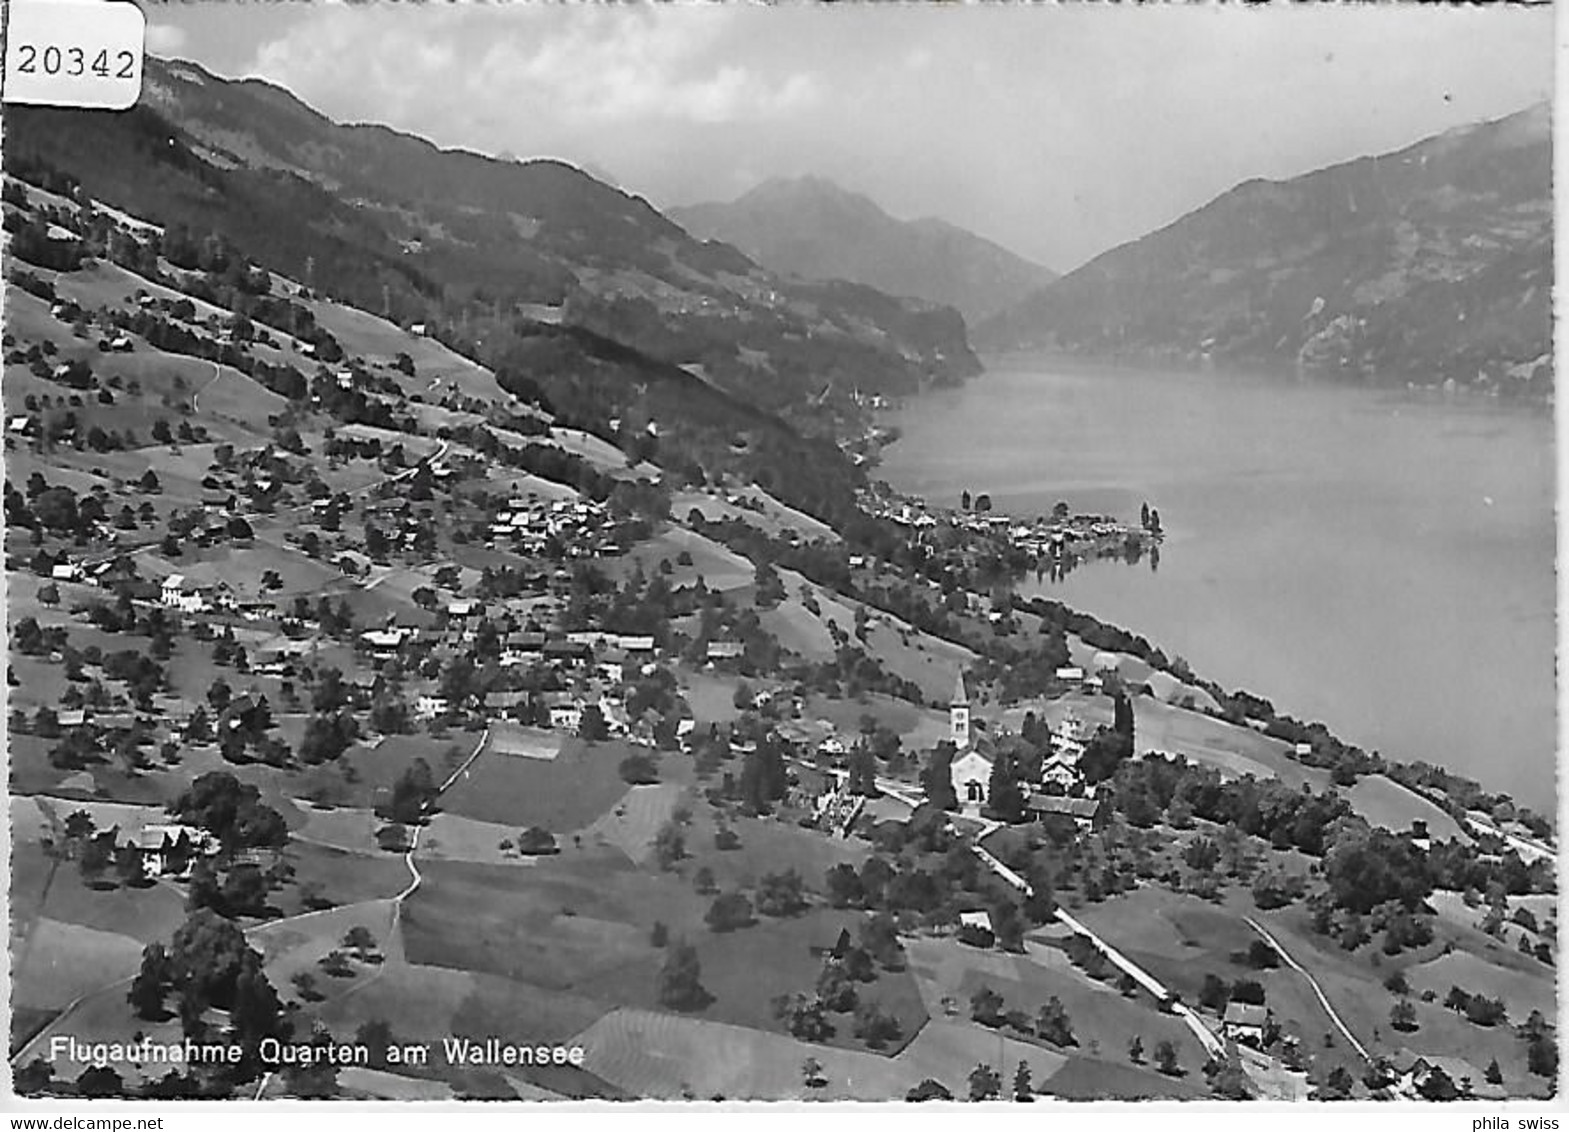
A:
(1212, 1044)
(1323, 999)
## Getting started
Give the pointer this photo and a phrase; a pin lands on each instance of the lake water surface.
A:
(1381, 561)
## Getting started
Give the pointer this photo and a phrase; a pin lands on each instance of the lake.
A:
(1382, 561)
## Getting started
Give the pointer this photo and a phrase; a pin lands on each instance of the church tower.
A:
(959, 715)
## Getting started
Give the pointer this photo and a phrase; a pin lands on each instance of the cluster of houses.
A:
(1060, 790)
(1043, 538)
(582, 527)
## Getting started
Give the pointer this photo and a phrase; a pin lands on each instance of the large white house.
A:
(179, 592)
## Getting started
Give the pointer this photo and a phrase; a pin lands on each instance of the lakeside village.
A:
(381, 706)
(1045, 545)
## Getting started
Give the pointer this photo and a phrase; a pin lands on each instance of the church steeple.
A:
(959, 715)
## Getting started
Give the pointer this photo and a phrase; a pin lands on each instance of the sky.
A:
(1057, 130)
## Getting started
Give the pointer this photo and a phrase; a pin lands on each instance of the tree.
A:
(1166, 1058)
(937, 779)
(359, 940)
(1201, 855)
(1022, 1091)
(638, 768)
(1438, 1086)
(99, 1081)
(1402, 1016)
(986, 1007)
(680, 980)
(536, 841)
(929, 1089)
(703, 881)
(812, 1073)
(669, 845)
(659, 935)
(844, 886)
(1229, 1081)
(1136, 1050)
(305, 986)
(863, 772)
(592, 728)
(1541, 1056)
(780, 894)
(879, 938)
(1004, 796)
(1494, 1075)
(313, 1078)
(208, 954)
(412, 793)
(874, 1026)
(1213, 994)
(729, 911)
(805, 1018)
(152, 982)
(1054, 1025)
(37, 1075)
(97, 855)
(985, 1083)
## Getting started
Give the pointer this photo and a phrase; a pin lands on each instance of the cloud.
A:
(575, 64)
(1091, 125)
(165, 39)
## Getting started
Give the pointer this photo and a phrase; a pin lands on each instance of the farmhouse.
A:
(1085, 812)
(1244, 1023)
(981, 920)
(506, 703)
(1467, 1078)
(179, 592)
(170, 850)
(566, 714)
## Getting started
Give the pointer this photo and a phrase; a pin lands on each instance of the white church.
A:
(971, 770)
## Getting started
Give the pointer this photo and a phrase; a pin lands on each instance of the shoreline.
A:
(1407, 766)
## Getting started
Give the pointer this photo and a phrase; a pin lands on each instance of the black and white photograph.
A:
(977, 553)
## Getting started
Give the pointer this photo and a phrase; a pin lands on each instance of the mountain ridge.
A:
(812, 227)
(460, 240)
(1427, 263)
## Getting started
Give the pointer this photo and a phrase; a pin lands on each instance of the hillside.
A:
(367, 691)
(476, 247)
(1430, 263)
(811, 227)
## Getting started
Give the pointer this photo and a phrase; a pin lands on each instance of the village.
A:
(456, 717)
(1056, 542)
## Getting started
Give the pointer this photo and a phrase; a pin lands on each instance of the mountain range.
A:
(480, 248)
(1427, 264)
(811, 227)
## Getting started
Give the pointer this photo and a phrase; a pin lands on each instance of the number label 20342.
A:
(84, 53)
(73, 61)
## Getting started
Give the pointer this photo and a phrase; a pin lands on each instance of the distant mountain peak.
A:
(809, 225)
